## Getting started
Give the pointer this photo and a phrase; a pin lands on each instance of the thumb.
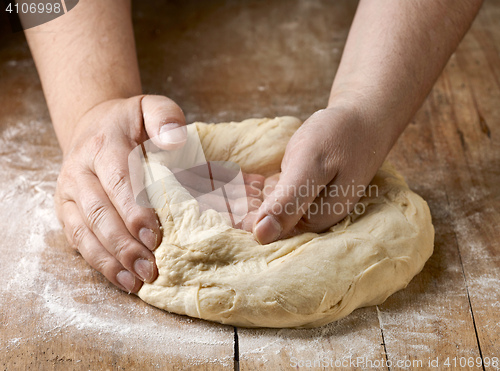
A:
(304, 173)
(164, 122)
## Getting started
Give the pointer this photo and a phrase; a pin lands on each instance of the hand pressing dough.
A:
(303, 281)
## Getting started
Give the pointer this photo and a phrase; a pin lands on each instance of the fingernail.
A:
(126, 279)
(267, 230)
(148, 238)
(144, 268)
(173, 134)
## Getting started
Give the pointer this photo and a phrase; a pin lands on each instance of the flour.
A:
(51, 292)
(352, 339)
(65, 307)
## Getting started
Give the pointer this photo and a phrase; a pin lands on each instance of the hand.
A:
(327, 165)
(94, 199)
(235, 198)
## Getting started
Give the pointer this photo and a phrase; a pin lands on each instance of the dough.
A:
(225, 275)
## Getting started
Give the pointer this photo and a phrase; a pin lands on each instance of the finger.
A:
(340, 198)
(239, 208)
(199, 185)
(115, 179)
(193, 179)
(211, 201)
(221, 203)
(223, 172)
(104, 221)
(248, 221)
(164, 122)
(206, 177)
(82, 238)
(255, 180)
(306, 169)
(244, 205)
(270, 184)
(226, 172)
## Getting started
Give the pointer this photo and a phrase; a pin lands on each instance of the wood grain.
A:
(223, 61)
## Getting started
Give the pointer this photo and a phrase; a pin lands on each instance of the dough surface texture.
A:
(304, 281)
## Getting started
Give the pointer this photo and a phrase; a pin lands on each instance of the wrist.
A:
(381, 117)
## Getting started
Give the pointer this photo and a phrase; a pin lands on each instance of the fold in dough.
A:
(304, 281)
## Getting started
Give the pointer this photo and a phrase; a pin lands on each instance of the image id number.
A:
(34, 8)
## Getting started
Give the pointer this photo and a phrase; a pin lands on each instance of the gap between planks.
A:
(236, 350)
(467, 292)
(383, 339)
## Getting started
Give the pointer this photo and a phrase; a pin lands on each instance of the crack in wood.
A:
(236, 351)
(383, 338)
(484, 126)
(467, 292)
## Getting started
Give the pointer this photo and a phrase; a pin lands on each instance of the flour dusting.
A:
(67, 297)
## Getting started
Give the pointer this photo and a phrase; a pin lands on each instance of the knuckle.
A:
(68, 179)
(117, 183)
(64, 178)
(135, 219)
(254, 204)
(249, 191)
(326, 165)
(70, 167)
(95, 212)
(92, 150)
(305, 224)
(103, 265)
(125, 251)
(78, 233)
(97, 143)
(58, 204)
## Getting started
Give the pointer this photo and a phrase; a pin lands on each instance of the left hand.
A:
(327, 165)
(235, 202)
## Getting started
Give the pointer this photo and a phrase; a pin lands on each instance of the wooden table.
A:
(226, 61)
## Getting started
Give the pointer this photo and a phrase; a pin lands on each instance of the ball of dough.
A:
(225, 275)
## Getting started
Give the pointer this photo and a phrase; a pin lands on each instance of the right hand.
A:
(234, 198)
(94, 199)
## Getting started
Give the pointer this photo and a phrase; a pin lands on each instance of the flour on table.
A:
(50, 294)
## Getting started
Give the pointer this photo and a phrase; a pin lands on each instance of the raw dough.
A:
(304, 281)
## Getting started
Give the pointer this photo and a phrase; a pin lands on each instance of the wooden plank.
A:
(461, 183)
(228, 61)
(347, 344)
(431, 317)
(476, 198)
